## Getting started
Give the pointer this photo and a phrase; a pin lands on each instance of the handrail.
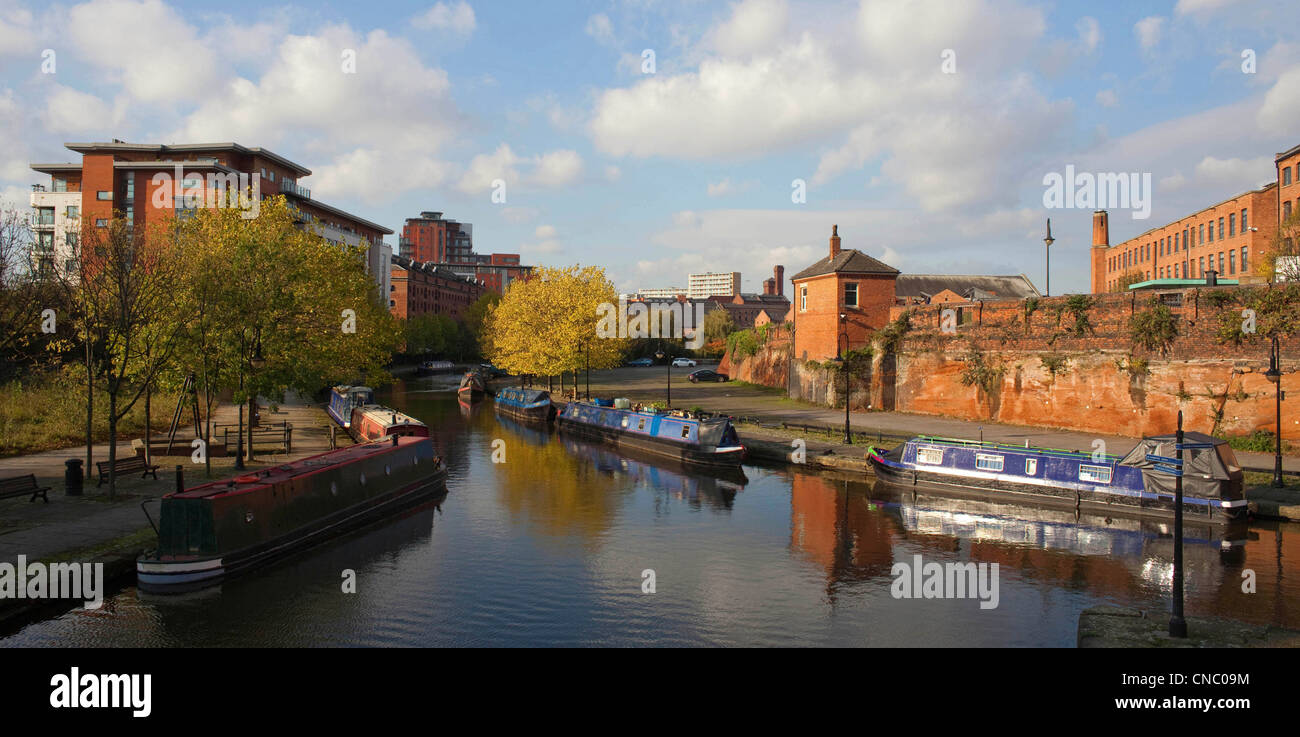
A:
(146, 515)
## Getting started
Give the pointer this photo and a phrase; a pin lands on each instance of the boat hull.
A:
(1048, 493)
(204, 538)
(726, 457)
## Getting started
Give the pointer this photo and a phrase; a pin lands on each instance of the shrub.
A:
(1154, 328)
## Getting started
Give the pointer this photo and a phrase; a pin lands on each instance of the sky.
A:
(657, 138)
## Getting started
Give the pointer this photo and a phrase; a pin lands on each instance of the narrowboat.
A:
(429, 368)
(344, 398)
(710, 441)
(1136, 483)
(472, 386)
(525, 405)
(224, 527)
(371, 422)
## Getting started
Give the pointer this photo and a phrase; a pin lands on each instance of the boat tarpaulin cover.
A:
(1206, 471)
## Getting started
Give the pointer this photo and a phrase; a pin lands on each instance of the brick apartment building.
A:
(1226, 238)
(840, 301)
(434, 239)
(117, 179)
(422, 288)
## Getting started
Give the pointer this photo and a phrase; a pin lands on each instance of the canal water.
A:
(553, 547)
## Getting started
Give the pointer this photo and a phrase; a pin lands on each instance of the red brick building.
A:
(119, 179)
(1228, 238)
(434, 239)
(429, 289)
(840, 301)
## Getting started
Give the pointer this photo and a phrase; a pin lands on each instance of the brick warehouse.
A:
(421, 288)
(118, 179)
(1230, 238)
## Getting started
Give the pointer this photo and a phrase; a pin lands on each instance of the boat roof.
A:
(302, 467)
(1008, 447)
(389, 414)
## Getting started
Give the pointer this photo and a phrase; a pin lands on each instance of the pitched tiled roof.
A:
(969, 286)
(849, 260)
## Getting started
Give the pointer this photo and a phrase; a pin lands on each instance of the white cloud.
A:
(1107, 98)
(68, 111)
(600, 28)
(545, 231)
(1186, 7)
(1089, 33)
(19, 33)
(1148, 31)
(754, 26)
(1281, 106)
(613, 173)
(552, 169)
(558, 168)
(458, 17)
(728, 187)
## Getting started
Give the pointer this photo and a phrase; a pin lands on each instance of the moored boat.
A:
(710, 441)
(429, 368)
(223, 527)
(371, 422)
(525, 405)
(1136, 483)
(344, 398)
(472, 385)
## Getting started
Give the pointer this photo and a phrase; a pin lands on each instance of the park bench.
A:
(130, 464)
(22, 486)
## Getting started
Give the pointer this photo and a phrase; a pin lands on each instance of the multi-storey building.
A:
(422, 288)
(703, 286)
(432, 238)
(119, 179)
(1226, 239)
(661, 293)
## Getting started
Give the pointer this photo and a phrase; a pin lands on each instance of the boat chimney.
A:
(394, 441)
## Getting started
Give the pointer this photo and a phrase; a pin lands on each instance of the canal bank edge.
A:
(1113, 626)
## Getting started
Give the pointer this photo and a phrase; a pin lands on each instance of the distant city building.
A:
(431, 238)
(702, 286)
(665, 293)
(429, 289)
(749, 310)
(116, 179)
(1225, 238)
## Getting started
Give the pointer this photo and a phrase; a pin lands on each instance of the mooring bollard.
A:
(180, 478)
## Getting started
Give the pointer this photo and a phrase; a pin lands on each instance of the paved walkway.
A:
(37, 529)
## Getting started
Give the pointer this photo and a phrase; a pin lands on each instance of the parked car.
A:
(707, 375)
(641, 362)
(680, 362)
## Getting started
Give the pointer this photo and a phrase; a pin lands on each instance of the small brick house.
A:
(840, 301)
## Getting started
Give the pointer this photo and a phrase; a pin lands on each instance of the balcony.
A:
(44, 219)
(288, 187)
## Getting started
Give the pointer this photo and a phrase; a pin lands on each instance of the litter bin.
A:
(72, 477)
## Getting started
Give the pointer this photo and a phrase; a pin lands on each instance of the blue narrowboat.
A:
(343, 399)
(710, 441)
(1137, 483)
(525, 405)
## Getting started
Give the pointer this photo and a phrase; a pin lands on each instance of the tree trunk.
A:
(90, 409)
(148, 428)
(112, 446)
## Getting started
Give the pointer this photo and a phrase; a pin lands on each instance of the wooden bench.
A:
(130, 464)
(22, 486)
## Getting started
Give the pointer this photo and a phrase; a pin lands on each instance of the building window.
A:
(1232, 262)
(1220, 262)
(1243, 259)
(100, 222)
(1243, 220)
(803, 299)
(1286, 175)
(1203, 238)
(1220, 228)
(104, 195)
(1286, 209)
(851, 294)
(1201, 265)
(1232, 224)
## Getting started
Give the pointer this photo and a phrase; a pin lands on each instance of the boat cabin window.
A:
(933, 456)
(1095, 474)
(640, 424)
(686, 431)
(625, 422)
(986, 462)
(1031, 466)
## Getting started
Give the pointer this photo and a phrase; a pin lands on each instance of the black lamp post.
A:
(1049, 240)
(586, 354)
(1177, 623)
(844, 366)
(661, 355)
(1274, 374)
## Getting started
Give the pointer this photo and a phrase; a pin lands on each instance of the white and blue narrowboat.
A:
(1137, 483)
(343, 399)
(525, 405)
(710, 441)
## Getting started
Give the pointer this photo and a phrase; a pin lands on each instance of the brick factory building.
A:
(1228, 238)
(431, 238)
(429, 289)
(750, 310)
(119, 179)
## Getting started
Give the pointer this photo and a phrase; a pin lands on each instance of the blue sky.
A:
(691, 167)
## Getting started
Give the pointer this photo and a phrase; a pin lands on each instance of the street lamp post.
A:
(669, 365)
(844, 366)
(1177, 623)
(1049, 240)
(1274, 374)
